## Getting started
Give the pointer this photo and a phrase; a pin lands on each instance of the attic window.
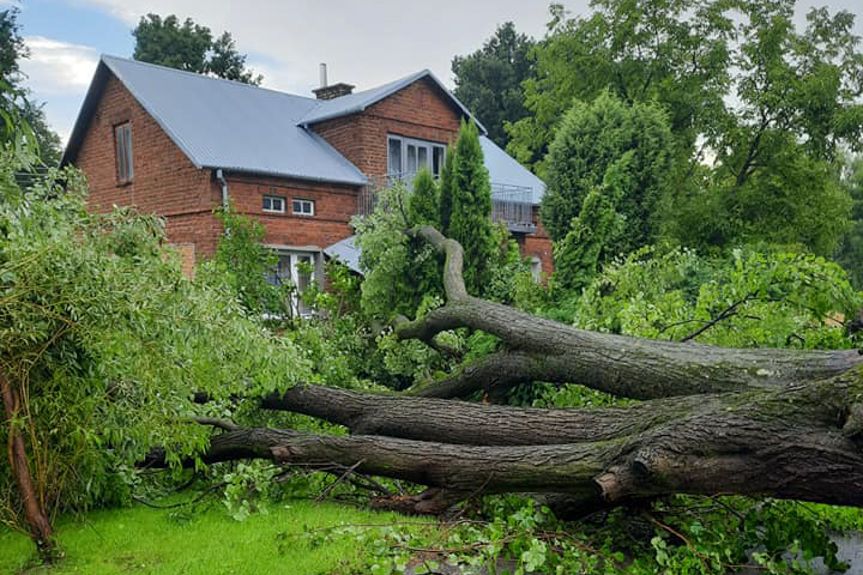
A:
(407, 156)
(123, 146)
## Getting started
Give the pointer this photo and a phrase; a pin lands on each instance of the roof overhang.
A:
(396, 86)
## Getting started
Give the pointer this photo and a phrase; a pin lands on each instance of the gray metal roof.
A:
(504, 170)
(230, 125)
(347, 252)
(237, 127)
(359, 101)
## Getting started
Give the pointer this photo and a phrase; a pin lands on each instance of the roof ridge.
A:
(204, 76)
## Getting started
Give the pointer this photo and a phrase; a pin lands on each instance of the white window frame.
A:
(303, 202)
(123, 152)
(292, 273)
(427, 146)
(271, 209)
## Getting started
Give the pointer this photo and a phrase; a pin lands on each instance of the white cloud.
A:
(58, 74)
(56, 67)
(364, 43)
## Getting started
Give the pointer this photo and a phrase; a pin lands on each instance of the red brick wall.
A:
(165, 181)
(335, 205)
(417, 111)
(538, 244)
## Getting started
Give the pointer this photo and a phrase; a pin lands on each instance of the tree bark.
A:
(799, 442)
(34, 514)
(777, 423)
(539, 349)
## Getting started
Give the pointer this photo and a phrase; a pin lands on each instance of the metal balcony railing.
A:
(510, 204)
(513, 206)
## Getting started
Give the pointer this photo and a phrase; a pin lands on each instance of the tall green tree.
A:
(21, 118)
(489, 81)
(470, 222)
(850, 254)
(775, 175)
(424, 202)
(674, 52)
(577, 256)
(191, 47)
(445, 191)
(592, 138)
(758, 108)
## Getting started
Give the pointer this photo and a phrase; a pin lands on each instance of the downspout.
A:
(221, 177)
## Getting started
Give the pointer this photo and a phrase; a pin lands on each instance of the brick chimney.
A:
(328, 92)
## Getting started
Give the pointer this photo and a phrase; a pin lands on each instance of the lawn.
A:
(160, 541)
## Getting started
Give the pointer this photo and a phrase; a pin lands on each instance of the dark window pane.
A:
(395, 156)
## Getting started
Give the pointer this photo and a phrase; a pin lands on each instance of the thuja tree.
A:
(470, 219)
(103, 342)
(591, 237)
(593, 138)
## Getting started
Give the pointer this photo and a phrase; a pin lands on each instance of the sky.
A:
(363, 42)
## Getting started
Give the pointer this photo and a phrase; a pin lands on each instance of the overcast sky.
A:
(364, 42)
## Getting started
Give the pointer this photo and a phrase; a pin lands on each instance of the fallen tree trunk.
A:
(798, 442)
(786, 424)
(539, 349)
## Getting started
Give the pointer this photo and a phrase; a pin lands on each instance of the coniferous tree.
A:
(578, 255)
(445, 193)
(470, 222)
(423, 208)
(592, 137)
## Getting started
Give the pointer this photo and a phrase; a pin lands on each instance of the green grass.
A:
(146, 540)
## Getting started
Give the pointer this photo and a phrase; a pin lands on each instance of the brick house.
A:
(180, 144)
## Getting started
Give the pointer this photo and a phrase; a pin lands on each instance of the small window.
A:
(274, 204)
(303, 207)
(123, 146)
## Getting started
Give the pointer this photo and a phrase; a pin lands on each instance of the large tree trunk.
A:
(786, 424)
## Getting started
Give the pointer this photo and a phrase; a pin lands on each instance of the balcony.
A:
(511, 205)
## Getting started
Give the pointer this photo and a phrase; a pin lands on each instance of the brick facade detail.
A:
(418, 111)
(167, 183)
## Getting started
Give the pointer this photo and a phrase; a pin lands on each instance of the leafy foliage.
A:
(244, 264)
(106, 340)
(675, 53)
(190, 47)
(489, 80)
(755, 298)
(22, 120)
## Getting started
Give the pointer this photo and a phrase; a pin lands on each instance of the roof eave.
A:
(286, 176)
(76, 138)
(396, 88)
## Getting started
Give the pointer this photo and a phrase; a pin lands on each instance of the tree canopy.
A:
(19, 113)
(191, 47)
(489, 81)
